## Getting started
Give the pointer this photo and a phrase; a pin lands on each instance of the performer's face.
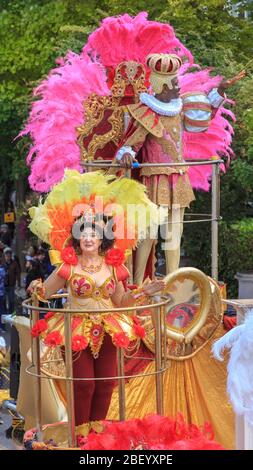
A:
(175, 87)
(169, 94)
(90, 241)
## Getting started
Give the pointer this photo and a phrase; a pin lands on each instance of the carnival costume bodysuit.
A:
(95, 336)
(90, 328)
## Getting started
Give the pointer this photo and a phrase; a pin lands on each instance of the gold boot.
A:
(83, 429)
(96, 426)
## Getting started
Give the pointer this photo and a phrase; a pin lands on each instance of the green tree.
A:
(33, 33)
(219, 33)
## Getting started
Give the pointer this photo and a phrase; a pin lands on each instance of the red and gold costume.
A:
(89, 329)
(95, 336)
(155, 134)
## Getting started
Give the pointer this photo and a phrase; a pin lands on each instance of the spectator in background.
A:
(32, 251)
(5, 235)
(2, 289)
(41, 257)
(13, 278)
(33, 270)
(44, 260)
(50, 267)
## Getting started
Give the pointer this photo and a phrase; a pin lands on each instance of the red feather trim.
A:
(153, 432)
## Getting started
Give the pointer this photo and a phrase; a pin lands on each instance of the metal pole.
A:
(108, 163)
(88, 169)
(69, 381)
(158, 362)
(121, 381)
(215, 218)
(128, 174)
(36, 359)
(164, 331)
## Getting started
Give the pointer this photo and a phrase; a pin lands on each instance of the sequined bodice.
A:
(93, 311)
(83, 287)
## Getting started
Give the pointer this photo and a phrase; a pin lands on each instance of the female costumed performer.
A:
(82, 239)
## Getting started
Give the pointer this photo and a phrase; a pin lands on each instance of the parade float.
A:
(135, 106)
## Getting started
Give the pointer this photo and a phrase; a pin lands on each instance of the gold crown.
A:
(163, 68)
(167, 64)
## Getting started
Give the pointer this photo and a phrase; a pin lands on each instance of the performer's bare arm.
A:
(230, 82)
(51, 285)
(121, 298)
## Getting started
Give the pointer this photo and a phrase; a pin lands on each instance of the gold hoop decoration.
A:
(196, 299)
(185, 334)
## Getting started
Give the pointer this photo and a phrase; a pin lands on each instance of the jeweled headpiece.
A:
(90, 198)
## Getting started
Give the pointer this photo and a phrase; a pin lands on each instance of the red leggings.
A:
(92, 397)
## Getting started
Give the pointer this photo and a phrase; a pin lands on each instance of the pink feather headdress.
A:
(58, 109)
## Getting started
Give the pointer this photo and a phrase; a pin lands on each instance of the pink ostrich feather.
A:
(216, 141)
(58, 109)
(132, 38)
(55, 116)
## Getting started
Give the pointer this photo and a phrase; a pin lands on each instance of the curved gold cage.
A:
(46, 364)
(40, 370)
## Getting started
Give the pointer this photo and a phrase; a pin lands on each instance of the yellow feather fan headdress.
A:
(134, 215)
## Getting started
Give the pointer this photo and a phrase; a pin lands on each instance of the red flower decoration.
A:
(139, 331)
(79, 343)
(68, 255)
(120, 340)
(49, 315)
(81, 441)
(114, 257)
(53, 339)
(39, 327)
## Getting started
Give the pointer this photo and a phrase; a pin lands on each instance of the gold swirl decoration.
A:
(193, 313)
(94, 112)
(129, 73)
(117, 128)
(109, 109)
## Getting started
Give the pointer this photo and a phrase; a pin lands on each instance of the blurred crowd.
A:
(36, 265)
(22, 259)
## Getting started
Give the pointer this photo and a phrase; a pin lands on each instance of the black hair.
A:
(41, 251)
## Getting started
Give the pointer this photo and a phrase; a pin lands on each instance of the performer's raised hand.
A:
(34, 286)
(153, 287)
(230, 82)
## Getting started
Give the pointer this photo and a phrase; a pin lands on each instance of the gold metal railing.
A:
(35, 369)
